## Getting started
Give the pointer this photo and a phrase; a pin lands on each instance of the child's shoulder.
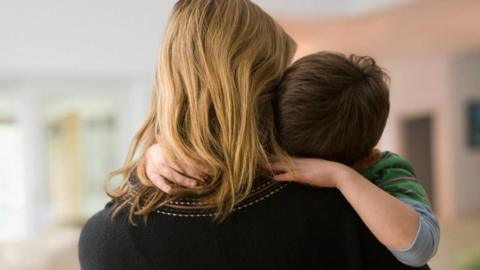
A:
(394, 161)
(396, 176)
(390, 165)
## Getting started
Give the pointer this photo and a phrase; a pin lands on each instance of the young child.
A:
(331, 111)
(335, 107)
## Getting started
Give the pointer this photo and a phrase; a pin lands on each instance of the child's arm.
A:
(396, 176)
(426, 243)
(392, 222)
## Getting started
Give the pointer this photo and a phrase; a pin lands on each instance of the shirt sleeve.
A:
(426, 241)
(396, 176)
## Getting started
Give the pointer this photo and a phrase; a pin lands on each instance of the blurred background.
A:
(76, 79)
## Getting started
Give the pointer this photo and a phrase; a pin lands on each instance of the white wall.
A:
(80, 37)
(92, 37)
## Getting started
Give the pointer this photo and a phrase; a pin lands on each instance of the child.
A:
(335, 108)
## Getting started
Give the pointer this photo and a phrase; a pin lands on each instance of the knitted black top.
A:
(280, 226)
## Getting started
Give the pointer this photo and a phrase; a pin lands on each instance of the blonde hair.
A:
(220, 63)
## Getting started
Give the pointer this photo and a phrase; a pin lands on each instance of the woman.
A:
(220, 63)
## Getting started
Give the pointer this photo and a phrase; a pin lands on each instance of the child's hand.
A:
(161, 173)
(316, 172)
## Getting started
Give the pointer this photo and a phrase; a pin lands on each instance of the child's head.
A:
(333, 107)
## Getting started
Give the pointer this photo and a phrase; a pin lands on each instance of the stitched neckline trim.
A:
(192, 208)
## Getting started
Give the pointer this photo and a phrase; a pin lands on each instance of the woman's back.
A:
(281, 226)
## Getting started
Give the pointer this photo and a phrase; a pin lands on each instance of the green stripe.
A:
(397, 177)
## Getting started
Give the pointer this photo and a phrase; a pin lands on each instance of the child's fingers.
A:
(161, 183)
(176, 177)
(278, 167)
(188, 172)
(182, 174)
(283, 177)
(198, 171)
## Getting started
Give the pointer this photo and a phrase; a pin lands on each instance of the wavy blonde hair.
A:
(220, 63)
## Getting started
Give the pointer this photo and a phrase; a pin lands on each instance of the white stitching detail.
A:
(234, 210)
(197, 203)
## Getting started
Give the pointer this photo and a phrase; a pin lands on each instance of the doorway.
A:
(418, 149)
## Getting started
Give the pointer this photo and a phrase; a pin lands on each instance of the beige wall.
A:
(465, 88)
(420, 87)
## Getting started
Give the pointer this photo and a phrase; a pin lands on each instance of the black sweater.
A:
(281, 226)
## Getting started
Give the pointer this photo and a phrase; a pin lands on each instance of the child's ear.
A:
(375, 156)
(368, 161)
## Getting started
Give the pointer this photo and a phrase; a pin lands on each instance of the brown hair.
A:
(220, 64)
(332, 107)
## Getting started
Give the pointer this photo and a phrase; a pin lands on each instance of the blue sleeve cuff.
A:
(426, 241)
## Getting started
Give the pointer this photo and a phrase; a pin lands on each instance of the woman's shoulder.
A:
(99, 225)
(95, 238)
(104, 243)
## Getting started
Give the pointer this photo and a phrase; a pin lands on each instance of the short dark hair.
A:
(332, 106)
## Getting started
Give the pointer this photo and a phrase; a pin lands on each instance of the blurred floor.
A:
(459, 246)
(57, 250)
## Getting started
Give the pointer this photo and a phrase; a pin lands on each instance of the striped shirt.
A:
(397, 177)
